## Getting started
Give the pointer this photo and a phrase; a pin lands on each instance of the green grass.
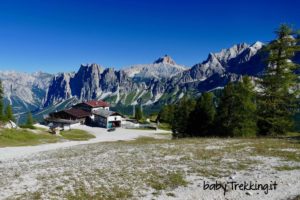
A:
(21, 137)
(146, 97)
(41, 129)
(111, 99)
(266, 147)
(287, 168)
(170, 180)
(145, 140)
(129, 98)
(101, 193)
(143, 128)
(75, 134)
(271, 147)
(27, 126)
(293, 134)
(24, 137)
(165, 126)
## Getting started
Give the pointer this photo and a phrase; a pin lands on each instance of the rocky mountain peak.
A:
(90, 68)
(164, 67)
(227, 54)
(257, 45)
(165, 60)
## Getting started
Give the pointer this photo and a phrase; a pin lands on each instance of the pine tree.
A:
(225, 120)
(247, 110)
(1, 101)
(9, 113)
(166, 114)
(138, 113)
(29, 121)
(180, 122)
(202, 117)
(236, 114)
(278, 92)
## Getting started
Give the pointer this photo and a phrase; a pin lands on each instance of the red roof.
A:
(96, 104)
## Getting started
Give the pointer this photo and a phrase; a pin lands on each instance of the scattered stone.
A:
(248, 193)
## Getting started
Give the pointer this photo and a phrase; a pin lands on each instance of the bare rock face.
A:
(228, 60)
(162, 80)
(85, 83)
(25, 91)
(165, 60)
(164, 67)
(91, 82)
(155, 84)
(59, 89)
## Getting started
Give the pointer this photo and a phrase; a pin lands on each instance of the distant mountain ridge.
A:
(163, 67)
(163, 81)
(155, 84)
(25, 91)
(236, 59)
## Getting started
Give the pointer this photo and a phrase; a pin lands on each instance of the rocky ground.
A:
(160, 168)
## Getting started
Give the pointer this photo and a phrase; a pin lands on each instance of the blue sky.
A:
(59, 35)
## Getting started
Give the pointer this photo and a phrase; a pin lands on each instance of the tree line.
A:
(248, 107)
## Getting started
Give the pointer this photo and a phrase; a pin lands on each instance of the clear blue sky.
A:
(59, 35)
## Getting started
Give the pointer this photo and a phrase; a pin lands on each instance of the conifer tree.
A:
(138, 113)
(236, 114)
(225, 120)
(202, 117)
(181, 117)
(166, 114)
(29, 121)
(9, 113)
(246, 124)
(278, 87)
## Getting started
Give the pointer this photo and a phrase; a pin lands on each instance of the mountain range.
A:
(25, 91)
(150, 85)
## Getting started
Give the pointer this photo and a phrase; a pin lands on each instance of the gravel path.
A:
(101, 135)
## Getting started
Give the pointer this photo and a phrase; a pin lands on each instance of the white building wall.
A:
(114, 118)
(66, 127)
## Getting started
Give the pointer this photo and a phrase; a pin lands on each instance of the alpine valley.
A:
(150, 85)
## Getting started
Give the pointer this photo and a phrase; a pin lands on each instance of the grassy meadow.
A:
(28, 137)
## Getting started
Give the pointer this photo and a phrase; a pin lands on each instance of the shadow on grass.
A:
(295, 136)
